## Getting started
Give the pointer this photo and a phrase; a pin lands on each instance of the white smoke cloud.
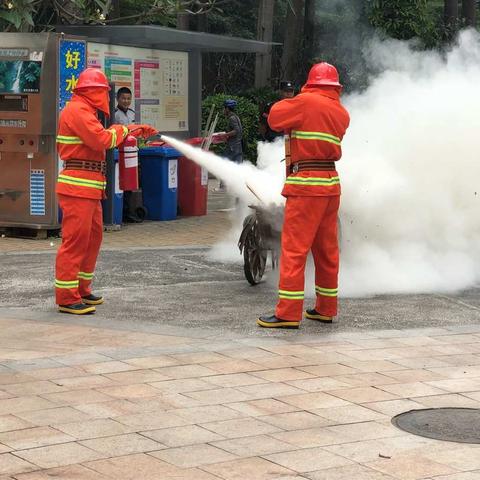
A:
(266, 180)
(252, 185)
(410, 173)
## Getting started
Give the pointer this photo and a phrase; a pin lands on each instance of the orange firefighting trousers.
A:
(310, 224)
(82, 231)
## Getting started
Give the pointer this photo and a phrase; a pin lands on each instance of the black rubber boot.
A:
(92, 300)
(77, 309)
(273, 322)
(312, 314)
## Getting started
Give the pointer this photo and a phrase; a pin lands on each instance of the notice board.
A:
(158, 80)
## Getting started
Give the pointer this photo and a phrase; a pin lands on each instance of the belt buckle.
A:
(295, 168)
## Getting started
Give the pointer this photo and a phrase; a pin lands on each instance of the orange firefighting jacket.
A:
(315, 122)
(81, 136)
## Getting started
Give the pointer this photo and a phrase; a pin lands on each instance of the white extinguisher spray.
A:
(128, 164)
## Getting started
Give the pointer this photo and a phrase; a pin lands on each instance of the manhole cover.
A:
(450, 424)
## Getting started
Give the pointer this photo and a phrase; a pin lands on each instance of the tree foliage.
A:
(230, 72)
(404, 19)
(30, 15)
(308, 30)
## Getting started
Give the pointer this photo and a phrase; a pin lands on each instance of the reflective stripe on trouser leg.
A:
(289, 304)
(76, 230)
(66, 288)
(87, 266)
(302, 217)
(85, 281)
(326, 258)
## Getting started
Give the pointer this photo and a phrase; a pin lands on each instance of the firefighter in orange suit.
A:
(81, 144)
(314, 123)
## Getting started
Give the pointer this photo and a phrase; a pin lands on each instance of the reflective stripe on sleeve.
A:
(69, 140)
(323, 136)
(113, 144)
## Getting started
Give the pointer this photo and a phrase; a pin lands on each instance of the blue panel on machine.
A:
(37, 192)
(72, 62)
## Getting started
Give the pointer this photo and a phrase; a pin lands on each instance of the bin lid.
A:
(157, 151)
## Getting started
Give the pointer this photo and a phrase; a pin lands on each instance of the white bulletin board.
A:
(158, 80)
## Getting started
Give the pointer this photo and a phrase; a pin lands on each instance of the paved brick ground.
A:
(82, 402)
(79, 402)
(205, 230)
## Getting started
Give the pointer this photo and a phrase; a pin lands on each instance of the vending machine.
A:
(37, 75)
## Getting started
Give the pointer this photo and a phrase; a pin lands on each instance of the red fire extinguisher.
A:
(128, 164)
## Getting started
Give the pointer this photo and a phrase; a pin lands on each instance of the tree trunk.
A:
(263, 61)
(114, 11)
(202, 22)
(309, 31)
(69, 12)
(183, 21)
(293, 34)
(450, 17)
(469, 12)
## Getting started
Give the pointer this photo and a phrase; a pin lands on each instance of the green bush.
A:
(248, 114)
(261, 96)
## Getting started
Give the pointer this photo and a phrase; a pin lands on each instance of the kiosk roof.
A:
(163, 38)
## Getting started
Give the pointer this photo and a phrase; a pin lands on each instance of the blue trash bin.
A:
(117, 196)
(159, 176)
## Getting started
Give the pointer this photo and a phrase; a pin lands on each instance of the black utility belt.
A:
(319, 165)
(89, 166)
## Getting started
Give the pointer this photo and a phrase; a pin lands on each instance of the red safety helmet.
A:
(323, 74)
(92, 77)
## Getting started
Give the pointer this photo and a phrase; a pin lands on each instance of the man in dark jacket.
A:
(287, 90)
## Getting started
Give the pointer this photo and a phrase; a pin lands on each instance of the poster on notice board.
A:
(158, 80)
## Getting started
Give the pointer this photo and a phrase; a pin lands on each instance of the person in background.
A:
(124, 115)
(234, 135)
(287, 90)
